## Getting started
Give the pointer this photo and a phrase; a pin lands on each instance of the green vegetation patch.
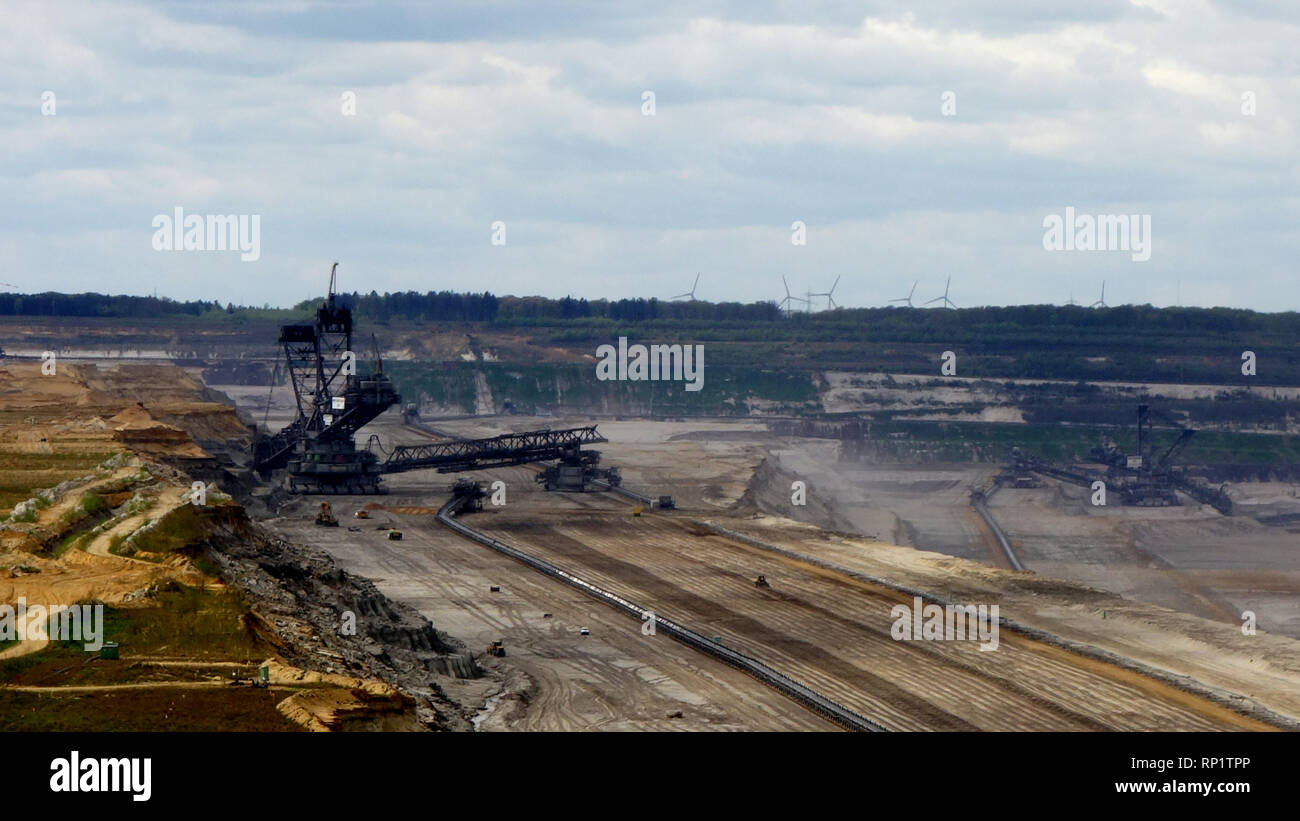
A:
(22, 474)
(179, 622)
(181, 528)
(993, 441)
(728, 390)
(217, 709)
(186, 623)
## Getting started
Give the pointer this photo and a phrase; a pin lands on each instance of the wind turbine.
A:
(908, 298)
(830, 300)
(1071, 302)
(789, 299)
(691, 293)
(1101, 303)
(947, 303)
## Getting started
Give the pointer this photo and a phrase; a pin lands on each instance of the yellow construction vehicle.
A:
(324, 517)
(394, 535)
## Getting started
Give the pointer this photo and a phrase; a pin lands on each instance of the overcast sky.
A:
(766, 112)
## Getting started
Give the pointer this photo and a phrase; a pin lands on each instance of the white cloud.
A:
(763, 116)
(1170, 75)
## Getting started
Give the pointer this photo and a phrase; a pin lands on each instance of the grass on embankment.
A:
(176, 530)
(22, 473)
(992, 442)
(184, 623)
(232, 709)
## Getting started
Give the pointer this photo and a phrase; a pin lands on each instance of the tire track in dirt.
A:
(1024, 688)
(615, 679)
(631, 579)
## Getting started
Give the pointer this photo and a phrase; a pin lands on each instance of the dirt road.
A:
(555, 678)
(834, 632)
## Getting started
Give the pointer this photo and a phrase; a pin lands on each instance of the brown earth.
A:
(98, 430)
(1072, 657)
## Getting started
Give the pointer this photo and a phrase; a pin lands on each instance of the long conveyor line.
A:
(795, 689)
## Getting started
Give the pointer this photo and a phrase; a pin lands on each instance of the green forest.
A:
(1122, 343)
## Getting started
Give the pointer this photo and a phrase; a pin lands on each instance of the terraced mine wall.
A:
(299, 596)
(469, 387)
(1218, 453)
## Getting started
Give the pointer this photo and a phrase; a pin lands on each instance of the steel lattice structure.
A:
(496, 451)
(333, 402)
(318, 448)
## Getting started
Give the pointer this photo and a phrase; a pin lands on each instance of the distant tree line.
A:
(634, 310)
(439, 306)
(91, 305)
(447, 306)
(1028, 323)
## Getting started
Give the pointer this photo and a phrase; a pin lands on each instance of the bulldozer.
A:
(325, 518)
(497, 648)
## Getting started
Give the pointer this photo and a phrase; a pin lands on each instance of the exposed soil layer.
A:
(319, 616)
(117, 449)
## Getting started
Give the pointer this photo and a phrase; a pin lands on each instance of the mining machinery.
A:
(469, 494)
(325, 517)
(574, 470)
(1148, 457)
(493, 451)
(318, 448)
(1144, 478)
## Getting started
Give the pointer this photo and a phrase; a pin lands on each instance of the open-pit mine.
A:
(310, 549)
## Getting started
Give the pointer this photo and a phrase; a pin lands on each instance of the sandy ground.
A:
(77, 575)
(831, 630)
(1188, 558)
(846, 388)
(614, 678)
(103, 410)
(1262, 666)
(163, 503)
(555, 679)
